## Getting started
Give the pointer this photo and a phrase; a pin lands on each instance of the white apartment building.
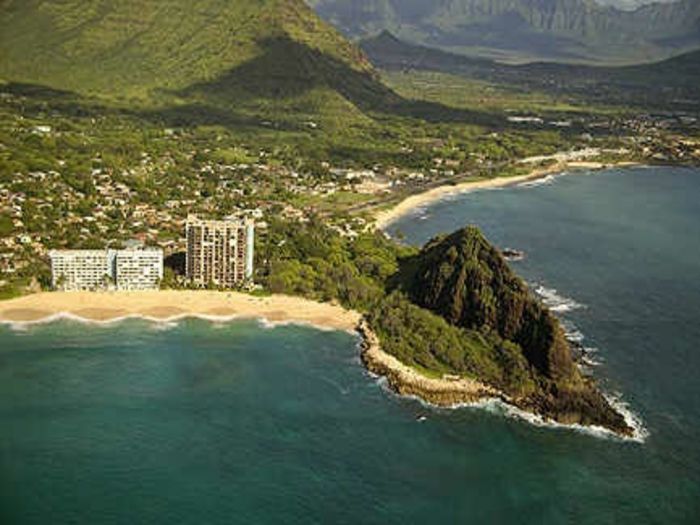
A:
(138, 269)
(80, 269)
(134, 269)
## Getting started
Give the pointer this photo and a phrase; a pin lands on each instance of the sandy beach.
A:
(171, 304)
(384, 218)
(168, 305)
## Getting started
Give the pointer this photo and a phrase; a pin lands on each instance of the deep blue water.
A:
(200, 423)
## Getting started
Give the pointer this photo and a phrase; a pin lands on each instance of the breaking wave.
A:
(499, 407)
(555, 302)
(163, 324)
(544, 181)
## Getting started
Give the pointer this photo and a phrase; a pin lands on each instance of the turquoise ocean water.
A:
(204, 423)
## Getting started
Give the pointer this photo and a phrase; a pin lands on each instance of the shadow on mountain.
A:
(38, 99)
(278, 82)
(288, 69)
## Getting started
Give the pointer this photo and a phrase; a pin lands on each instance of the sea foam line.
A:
(499, 407)
(555, 302)
(167, 322)
(543, 181)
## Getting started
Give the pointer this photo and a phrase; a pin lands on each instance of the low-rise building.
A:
(80, 269)
(138, 269)
(133, 269)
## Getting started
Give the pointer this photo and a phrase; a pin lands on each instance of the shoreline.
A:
(172, 305)
(460, 392)
(385, 218)
(406, 381)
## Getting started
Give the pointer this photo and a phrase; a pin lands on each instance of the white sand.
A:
(170, 304)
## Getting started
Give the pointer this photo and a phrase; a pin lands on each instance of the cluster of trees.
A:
(367, 274)
(315, 261)
(426, 340)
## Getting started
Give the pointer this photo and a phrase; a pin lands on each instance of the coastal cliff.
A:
(458, 310)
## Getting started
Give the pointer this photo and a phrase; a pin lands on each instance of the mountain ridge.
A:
(645, 85)
(575, 30)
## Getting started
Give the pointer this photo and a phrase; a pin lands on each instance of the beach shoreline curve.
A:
(172, 305)
(385, 218)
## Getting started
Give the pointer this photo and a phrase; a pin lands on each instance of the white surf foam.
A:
(634, 420)
(544, 181)
(555, 302)
(499, 407)
(162, 323)
(591, 358)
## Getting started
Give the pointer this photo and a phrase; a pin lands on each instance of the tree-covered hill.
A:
(466, 281)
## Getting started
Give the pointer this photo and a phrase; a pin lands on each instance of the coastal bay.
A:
(238, 421)
(384, 218)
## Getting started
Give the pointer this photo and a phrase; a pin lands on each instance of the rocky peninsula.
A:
(451, 325)
(458, 313)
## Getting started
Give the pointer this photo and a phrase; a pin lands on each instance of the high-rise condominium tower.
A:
(220, 253)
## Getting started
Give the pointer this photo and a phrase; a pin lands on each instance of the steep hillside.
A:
(572, 30)
(259, 66)
(129, 47)
(467, 282)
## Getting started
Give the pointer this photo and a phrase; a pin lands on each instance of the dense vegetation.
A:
(466, 280)
(426, 341)
(315, 261)
(453, 308)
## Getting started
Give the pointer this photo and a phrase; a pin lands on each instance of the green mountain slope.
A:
(259, 66)
(129, 46)
(572, 30)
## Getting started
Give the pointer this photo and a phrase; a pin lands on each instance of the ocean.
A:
(197, 422)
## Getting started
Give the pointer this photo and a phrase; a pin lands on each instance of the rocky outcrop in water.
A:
(466, 281)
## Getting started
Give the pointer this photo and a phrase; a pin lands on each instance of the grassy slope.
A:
(261, 67)
(126, 47)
